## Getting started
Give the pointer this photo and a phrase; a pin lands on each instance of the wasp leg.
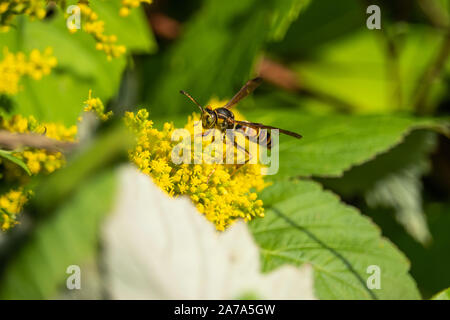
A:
(204, 134)
(246, 161)
(248, 158)
(211, 173)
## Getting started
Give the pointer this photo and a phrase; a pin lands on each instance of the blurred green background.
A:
(374, 94)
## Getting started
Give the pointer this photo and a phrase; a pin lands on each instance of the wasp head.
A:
(209, 118)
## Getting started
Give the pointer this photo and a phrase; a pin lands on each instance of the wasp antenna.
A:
(257, 79)
(192, 99)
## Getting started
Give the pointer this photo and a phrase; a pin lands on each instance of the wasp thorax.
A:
(226, 118)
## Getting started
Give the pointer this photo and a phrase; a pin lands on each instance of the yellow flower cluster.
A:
(11, 203)
(223, 198)
(96, 105)
(14, 66)
(92, 24)
(10, 8)
(37, 161)
(95, 27)
(127, 5)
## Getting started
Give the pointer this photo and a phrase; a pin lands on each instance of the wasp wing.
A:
(245, 91)
(263, 126)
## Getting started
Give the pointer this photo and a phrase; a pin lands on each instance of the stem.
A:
(393, 69)
(13, 141)
(435, 13)
(430, 75)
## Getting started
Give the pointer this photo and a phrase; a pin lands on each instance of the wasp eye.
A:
(208, 120)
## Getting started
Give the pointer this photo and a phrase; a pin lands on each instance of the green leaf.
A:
(8, 155)
(358, 69)
(415, 149)
(332, 144)
(443, 295)
(307, 34)
(217, 50)
(132, 31)
(402, 191)
(430, 263)
(107, 150)
(59, 96)
(304, 224)
(393, 180)
(287, 12)
(67, 238)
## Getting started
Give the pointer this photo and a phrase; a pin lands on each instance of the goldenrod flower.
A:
(91, 22)
(127, 5)
(95, 27)
(11, 203)
(223, 199)
(14, 66)
(96, 105)
(34, 9)
(37, 161)
(220, 193)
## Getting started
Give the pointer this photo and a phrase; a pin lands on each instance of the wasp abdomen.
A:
(256, 135)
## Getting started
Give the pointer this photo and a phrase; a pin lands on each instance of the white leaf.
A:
(157, 247)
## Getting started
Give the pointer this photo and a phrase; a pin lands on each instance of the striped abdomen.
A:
(256, 135)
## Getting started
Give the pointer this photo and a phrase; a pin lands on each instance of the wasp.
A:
(223, 119)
